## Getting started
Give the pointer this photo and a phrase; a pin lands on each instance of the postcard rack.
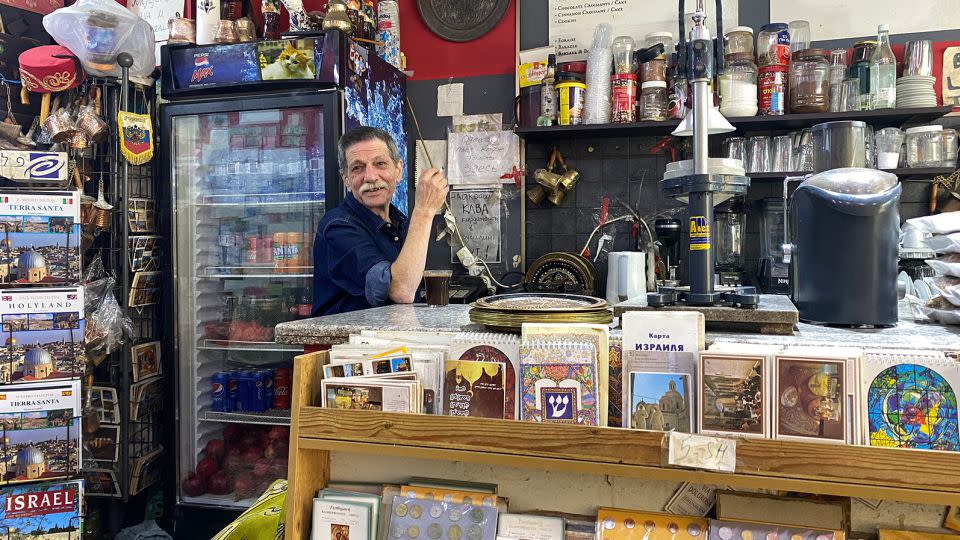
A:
(139, 437)
(897, 474)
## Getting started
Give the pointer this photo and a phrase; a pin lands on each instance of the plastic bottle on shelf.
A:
(883, 72)
(599, 67)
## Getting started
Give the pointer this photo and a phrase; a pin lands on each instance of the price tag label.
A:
(28, 165)
(701, 452)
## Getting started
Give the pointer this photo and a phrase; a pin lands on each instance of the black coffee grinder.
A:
(699, 61)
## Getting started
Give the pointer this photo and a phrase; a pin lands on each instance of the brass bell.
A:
(537, 194)
(569, 179)
(337, 18)
(556, 196)
(547, 179)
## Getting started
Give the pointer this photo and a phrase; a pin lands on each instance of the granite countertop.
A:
(332, 329)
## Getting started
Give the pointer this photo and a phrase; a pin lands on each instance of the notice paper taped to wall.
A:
(477, 212)
(482, 158)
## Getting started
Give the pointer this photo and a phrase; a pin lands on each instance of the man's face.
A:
(371, 175)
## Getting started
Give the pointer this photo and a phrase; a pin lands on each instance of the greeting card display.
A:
(42, 334)
(42, 510)
(559, 382)
(733, 395)
(40, 238)
(41, 431)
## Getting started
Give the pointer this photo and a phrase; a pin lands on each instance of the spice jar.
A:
(624, 97)
(654, 70)
(773, 44)
(740, 40)
(738, 86)
(653, 101)
(810, 81)
(666, 38)
(773, 90)
(925, 146)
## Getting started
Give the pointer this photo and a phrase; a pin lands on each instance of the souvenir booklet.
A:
(530, 527)
(493, 347)
(615, 524)
(559, 382)
(40, 238)
(337, 520)
(42, 334)
(41, 423)
(909, 400)
(43, 510)
(658, 342)
(352, 497)
(733, 395)
(373, 394)
(594, 335)
(852, 357)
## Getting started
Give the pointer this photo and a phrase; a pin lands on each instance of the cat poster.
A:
(290, 59)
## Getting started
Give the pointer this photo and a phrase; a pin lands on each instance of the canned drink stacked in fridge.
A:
(252, 390)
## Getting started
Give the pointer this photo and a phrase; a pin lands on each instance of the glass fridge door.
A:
(249, 191)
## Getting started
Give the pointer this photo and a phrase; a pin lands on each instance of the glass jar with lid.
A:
(653, 101)
(738, 86)
(810, 81)
(925, 146)
(666, 38)
(773, 44)
(860, 69)
(740, 40)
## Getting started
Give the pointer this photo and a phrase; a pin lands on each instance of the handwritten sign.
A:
(477, 212)
(481, 158)
(157, 13)
(701, 452)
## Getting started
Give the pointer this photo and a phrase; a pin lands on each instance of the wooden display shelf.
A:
(854, 471)
(786, 122)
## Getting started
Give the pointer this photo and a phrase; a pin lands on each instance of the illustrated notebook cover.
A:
(559, 382)
(909, 400)
(41, 431)
(473, 389)
(595, 335)
(42, 334)
(43, 510)
(40, 238)
(493, 347)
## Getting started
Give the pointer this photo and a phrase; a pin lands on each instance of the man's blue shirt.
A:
(352, 254)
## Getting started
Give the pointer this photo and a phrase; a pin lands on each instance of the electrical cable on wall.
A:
(467, 258)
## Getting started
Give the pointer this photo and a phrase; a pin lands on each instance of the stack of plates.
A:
(916, 91)
(508, 312)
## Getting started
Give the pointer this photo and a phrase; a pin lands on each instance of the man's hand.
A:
(431, 191)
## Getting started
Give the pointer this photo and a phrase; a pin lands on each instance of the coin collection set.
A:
(415, 518)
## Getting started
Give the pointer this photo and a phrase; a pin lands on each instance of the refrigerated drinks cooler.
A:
(249, 144)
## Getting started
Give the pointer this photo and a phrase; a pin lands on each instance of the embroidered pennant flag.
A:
(136, 137)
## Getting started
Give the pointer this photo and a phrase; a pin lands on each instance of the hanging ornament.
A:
(136, 137)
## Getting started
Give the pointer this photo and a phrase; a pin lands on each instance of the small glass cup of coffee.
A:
(436, 285)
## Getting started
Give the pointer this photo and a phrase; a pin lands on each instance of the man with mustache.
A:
(367, 253)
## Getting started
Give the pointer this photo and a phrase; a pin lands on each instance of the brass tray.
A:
(512, 322)
(540, 303)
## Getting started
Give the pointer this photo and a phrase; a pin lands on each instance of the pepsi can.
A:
(248, 391)
(233, 392)
(218, 391)
(265, 377)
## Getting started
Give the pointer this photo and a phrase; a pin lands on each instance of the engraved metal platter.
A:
(461, 20)
(541, 302)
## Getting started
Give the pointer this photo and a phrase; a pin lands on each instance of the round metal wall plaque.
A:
(461, 20)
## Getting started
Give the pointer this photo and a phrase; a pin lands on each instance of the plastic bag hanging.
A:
(98, 30)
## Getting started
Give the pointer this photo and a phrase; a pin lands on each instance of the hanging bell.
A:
(569, 179)
(537, 194)
(337, 18)
(547, 179)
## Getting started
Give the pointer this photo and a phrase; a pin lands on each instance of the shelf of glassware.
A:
(909, 475)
